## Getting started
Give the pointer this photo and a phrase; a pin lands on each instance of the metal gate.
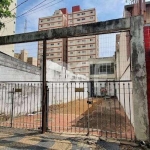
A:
(72, 109)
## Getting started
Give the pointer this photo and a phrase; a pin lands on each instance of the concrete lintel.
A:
(139, 80)
(109, 26)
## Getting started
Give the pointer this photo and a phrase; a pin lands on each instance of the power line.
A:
(32, 9)
(28, 10)
(19, 5)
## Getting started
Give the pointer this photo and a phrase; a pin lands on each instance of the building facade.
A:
(23, 55)
(56, 49)
(9, 29)
(80, 49)
(72, 53)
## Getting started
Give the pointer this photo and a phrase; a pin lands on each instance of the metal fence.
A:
(20, 105)
(103, 109)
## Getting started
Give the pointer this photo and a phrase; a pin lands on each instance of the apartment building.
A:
(80, 49)
(23, 55)
(9, 29)
(56, 49)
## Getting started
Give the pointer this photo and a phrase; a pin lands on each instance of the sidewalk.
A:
(16, 139)
(12, 139)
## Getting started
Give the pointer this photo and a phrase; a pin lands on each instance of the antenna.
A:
(25, 26)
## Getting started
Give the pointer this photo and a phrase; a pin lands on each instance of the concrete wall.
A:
(13, 69)
(29, 100)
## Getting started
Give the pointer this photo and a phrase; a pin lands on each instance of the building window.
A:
(78, 46)
(70, 47)
(106, 68)
(83, 13)
(71, 52)
(91, 17)
(83, 51)
(41, 26)
(58, 17)
(48, 24)
(51, 49)
(52, 23)
(83, 62)
(78, 19)
(91, 51)
(91, 12)
(83, 45)
(52, 18)
(91, 39)
(78, 41)
(78, 14)
(58, 43)
(52, 43)
(83, 18)
(59, 59)
(83, 40)
(91, 45)
(78, 51)
(48, 19)
(58, 48)
(41, 20)
(52, 54)
(78, 57)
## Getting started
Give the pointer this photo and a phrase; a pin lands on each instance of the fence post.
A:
(12, 106)
(44, 89)
(139, 79)
(47, 104)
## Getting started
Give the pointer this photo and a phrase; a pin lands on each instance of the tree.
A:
(4, 11)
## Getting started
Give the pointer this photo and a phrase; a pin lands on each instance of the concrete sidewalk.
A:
(13, 139)
(16, 139)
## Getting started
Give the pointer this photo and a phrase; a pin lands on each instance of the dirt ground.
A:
(105, 115)
(106, 118)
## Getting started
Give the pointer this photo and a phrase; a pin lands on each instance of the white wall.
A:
(29, 100)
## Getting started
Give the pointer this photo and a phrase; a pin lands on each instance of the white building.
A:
(9, 29)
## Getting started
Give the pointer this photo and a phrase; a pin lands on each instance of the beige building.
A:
(80, 49)
(9, 29)
(23, 55)
(56, 49)
(72, 52)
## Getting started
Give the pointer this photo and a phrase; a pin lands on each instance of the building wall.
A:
(80, 49)
(9, 29)
(56, 49)
(15, 70)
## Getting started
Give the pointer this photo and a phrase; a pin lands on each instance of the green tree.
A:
(4, 11)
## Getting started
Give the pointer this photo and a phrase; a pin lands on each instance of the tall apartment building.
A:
(9, 29)
(74, 52)
(81, 49)
(56, 49)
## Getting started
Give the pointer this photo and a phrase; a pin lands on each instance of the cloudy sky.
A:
(106, 9)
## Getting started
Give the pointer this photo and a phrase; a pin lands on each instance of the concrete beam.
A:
(76, 31)
(139, 80)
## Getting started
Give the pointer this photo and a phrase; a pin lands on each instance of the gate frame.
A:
(138, 74)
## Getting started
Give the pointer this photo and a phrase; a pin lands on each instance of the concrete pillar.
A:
(139, 79)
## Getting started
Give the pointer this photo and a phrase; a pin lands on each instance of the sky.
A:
(105, 9)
